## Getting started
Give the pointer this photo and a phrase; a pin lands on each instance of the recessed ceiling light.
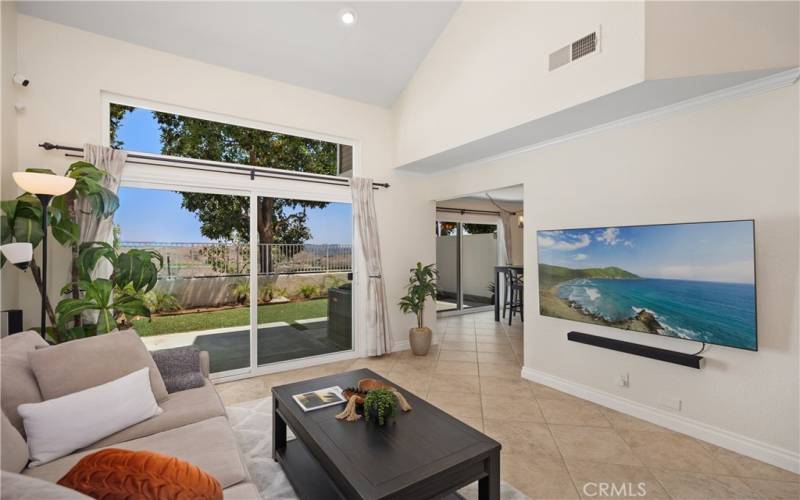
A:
(348, 16)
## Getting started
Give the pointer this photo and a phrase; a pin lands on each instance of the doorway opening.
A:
(477, 236)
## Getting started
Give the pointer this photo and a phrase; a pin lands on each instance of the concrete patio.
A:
(229, 348)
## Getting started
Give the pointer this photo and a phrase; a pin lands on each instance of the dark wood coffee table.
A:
(424, 453)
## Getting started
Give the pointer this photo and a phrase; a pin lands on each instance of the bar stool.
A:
(516, 295)
(506, 290)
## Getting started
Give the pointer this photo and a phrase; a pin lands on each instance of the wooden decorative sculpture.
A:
(355, 396)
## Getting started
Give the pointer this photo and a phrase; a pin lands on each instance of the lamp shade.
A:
(36, 183)
(17, 253)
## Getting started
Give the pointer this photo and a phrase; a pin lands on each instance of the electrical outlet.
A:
(670, 403)
(624, 380)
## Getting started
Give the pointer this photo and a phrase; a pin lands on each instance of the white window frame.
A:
(159, 177)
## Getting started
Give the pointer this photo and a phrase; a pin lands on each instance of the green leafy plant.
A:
(307, 290)
(240, 291)
(330, 281)
(231, 257)
(380, 404)
(160, 302)
(266, 293)
(116, 300)
(111, 298)
(421, 285)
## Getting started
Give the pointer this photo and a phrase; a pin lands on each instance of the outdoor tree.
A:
(480, 228)
(446, 228)
(225, 217)
(450, 228)
(118, 112)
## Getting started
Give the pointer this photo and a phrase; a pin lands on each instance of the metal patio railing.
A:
(215, 259)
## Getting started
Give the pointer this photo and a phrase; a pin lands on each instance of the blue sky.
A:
(714, 251)
(139, 208)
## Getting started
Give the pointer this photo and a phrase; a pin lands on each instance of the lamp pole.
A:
(45, 199)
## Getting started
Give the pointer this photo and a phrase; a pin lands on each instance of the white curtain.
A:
(507, 220)
(111, 161)
(366, 223)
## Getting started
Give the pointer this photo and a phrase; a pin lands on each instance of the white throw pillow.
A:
(59, 426)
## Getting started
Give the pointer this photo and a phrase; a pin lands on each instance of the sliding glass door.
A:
(479, 249)
(304, 279)
(448, 254)
(202, 296)
(300, 286)
(466, 254)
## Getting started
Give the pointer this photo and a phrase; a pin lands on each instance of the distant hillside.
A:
(552, 275)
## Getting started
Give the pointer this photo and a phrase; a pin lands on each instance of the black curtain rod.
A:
(250, 171)
(465, 211)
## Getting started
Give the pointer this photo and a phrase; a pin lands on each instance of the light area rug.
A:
(252, 425)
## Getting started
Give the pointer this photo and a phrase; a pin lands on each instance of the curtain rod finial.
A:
(47, 146)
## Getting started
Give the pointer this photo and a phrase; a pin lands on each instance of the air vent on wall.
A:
(577, 49)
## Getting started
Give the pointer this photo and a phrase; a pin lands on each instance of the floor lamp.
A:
(44, 186)
(19, 254)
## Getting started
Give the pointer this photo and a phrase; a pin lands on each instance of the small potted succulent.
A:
(379, 405)
(421, 285)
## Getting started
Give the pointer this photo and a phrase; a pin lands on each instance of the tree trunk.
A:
(266, 231)
(264, 224)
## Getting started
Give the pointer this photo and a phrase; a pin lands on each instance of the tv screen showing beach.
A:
(692, 281)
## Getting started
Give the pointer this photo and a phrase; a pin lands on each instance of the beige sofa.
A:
(193, 427)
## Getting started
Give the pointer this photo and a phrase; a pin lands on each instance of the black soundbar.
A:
(678, 358)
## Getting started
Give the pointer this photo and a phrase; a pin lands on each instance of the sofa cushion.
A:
(14, 453)
(18, 381)
(113, 473)
(242, 491)
(19, 487)
(80, 364)
(209, 444)
(59, 426)
(179, 409)
(180, 367)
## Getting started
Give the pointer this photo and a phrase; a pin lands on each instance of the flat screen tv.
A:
(692, 281)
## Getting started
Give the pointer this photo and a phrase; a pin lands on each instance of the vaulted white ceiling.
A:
(302, 43)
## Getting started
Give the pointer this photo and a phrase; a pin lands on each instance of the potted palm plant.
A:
(421, 285)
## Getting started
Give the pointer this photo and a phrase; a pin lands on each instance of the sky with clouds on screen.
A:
(715, 251)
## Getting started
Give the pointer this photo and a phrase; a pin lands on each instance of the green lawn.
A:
(288, 312)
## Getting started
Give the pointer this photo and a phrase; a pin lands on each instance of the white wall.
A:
(733, 159)
(69, 69)
(8, 131)
(488, 71)
(704, 38)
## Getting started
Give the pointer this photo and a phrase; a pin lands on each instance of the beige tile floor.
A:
(555, 446)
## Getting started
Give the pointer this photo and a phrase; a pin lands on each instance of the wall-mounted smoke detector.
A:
(582, 47)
